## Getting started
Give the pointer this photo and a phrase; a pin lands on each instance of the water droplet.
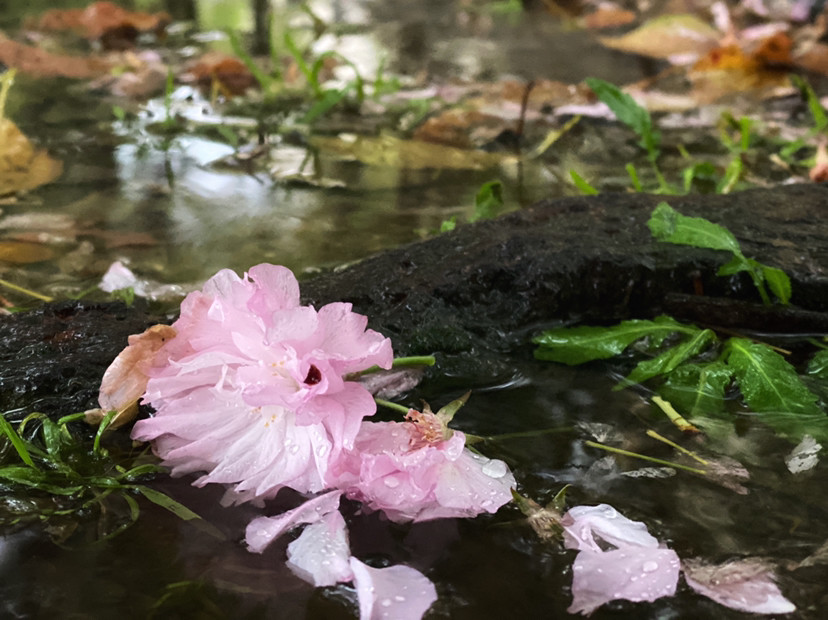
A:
(650, 566)
(399, 599)
(294, 449)
(322, 450)
(390, 482)
(495, 469)
(386, 602)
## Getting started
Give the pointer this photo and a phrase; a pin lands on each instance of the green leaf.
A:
(778, 282)
(819, 364)
(767, 381)
(583, 186)
(55, 438)
(628, 112)
(817, 111)
(667, 224)
(17, 442)
(488, 202)
(577, 345)
(670, 359)
(698, 389)
(166, 502)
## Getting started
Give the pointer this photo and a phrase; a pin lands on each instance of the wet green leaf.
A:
(488, 201)
(627, 110)
(767, 381)
(583, 186)
(779, 283)
(167, 502)
(17, 442)
(670, 359)
(698, 389)
(667, 224)
(819, 364)
(576, 345)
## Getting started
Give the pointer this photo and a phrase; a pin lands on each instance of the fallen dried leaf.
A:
(21, 166)
(115, 27)
(37, 61)
(125, 381)
(21, 252)
(667, 36)
(227, 73)
(607, 16)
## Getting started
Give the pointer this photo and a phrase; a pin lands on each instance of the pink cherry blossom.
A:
(638, 569)
(419, 470)
(394, 593)
(251, 389)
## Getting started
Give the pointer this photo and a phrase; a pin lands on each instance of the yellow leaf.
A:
(666, 36)
(22, 252)
(408, 154)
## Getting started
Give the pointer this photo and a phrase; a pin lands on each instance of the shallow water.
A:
(165, 207)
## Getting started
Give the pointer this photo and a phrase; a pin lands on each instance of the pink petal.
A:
(582, 523)
(396, 592)
(747, 585)
(320, 554)
(630, 573)
(262, 531)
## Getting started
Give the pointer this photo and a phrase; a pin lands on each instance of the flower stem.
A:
(399, 362)
(644, 457)
(521, 434)
(387, 403)
(20, 289)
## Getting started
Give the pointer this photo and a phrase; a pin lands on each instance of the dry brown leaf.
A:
(229, 74)
(727, 70)
(21, 252)
(667, 36)
(36, 61)
(607, 16)
(116, 27)
(125, 381)
(21, 166)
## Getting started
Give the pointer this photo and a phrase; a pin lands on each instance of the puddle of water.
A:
(163, 205)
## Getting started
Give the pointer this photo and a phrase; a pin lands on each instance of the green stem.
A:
(387, 403)
(20, 289)
(521, 434)
(399, 362)
(644, 457)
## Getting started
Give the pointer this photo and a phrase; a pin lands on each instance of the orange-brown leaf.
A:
(36, 61)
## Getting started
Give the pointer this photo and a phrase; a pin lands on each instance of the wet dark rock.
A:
(482, 290)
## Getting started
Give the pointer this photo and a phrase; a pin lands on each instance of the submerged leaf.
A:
(670, 359)
(667, 224)
(577, 345)
(698, 389)
(767, 381)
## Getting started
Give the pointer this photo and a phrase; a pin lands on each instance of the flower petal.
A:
(747, 585)
(320, 554)
(582, 523)
(631, 573)
(262, 531)
(396, 592)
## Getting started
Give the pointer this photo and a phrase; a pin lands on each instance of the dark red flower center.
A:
(314, 376)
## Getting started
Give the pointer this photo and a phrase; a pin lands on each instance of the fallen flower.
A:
(638, 569)
(747, 585)
(251, 390)
(420, 469)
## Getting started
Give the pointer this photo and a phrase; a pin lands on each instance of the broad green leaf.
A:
(166, 502)
(767, 381)
(797, 425)
(670, 359)
(627, 110)
(577, 345)
(17, 442)
(778, 282)
(698, 389)
(667, 224)
(488, 202)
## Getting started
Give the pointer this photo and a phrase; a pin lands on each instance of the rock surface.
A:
(483, 289)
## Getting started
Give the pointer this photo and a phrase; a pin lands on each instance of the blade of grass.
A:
(17, 442)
